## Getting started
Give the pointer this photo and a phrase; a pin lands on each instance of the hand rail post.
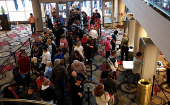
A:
(15, 58)
(88, 95)
(153, 85)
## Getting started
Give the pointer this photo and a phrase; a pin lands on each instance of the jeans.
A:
(107, 54)
(124, 50)
(33, 29)
(60, 92)
(26, 80)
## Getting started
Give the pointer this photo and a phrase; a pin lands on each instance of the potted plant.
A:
(2, 10)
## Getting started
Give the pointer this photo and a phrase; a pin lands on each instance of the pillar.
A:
(150, 58)
(37, 15)
(131, 31)
(139, 32)
(121, 12)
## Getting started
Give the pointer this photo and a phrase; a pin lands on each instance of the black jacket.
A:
(48, 94)
(58, 73)
(110, 86)
(49, 23)
(27, 96)
(8, 94)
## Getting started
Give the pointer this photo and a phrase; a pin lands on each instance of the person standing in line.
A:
(97, 14)
(102, 97)
(124, 48)
(24, 64)
(113, 63)
(48, 22)
(113, 41)
(107, 46)
(110, 86)
(32, 21)
(59, 74)
(89, 48)
(46, 56)
(77, 92)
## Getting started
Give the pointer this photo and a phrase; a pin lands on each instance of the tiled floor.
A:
(11, 40)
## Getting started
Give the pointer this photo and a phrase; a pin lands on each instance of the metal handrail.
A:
(14, 52)
(154, 79)
(24, 101)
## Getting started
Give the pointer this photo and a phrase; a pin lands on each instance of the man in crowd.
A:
(107, 46)
(46, 56)
(124, 48)
(85, 30)
(58, 76)
(104, 73)
(78, 67)
(32, 21)
(74, 29)
(54, 14)
(62, 20)
(113, 41)
(97, 14)
(89, 48)
(136, 71)
(24, 64)
(29, 95)
(48, 22)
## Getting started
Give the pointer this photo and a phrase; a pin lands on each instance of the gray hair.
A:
(75, 62)
(57, 62)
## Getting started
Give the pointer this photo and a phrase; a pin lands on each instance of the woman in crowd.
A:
(76, 56)
(51, 47)
(64, 40)
(35, 64)
(102, 97)
(41, 79)
(47, 93)
(48, 70)
(79, 48)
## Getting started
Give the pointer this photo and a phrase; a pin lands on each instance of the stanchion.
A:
(90, 77)
(15, 58)
(100, 29)
(168, 102)
(88, 95)
(153, 85)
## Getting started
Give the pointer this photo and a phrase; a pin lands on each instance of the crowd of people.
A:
(59, 59)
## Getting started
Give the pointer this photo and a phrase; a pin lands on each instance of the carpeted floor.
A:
(10, 41)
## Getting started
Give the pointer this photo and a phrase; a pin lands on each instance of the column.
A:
(121, 12)
(37, 15)
(139, 32)
(131, 31)
(150, 58)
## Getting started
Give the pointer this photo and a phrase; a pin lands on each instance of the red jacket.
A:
(24, 64)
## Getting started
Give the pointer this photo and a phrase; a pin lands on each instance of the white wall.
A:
(157, 27)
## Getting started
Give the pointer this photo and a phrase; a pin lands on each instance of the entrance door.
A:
(108, 12)
(62, 9)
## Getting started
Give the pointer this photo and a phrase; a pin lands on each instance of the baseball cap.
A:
(109, 37)
(79, 78)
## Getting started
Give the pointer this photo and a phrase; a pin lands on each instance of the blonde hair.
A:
(62, 62)
(48, 64)
(34, 59)
(48, 40)
(46, 82)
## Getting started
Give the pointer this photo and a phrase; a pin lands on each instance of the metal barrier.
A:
(24, 101)
(154, 79)
(15, 52)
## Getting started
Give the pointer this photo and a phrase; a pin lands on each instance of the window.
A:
(18, 10)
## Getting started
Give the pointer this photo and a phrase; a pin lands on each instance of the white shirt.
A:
(102, 100)
(137, 65)
(50, 48)
(79, 49)
(46, 57)
(93, 33)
